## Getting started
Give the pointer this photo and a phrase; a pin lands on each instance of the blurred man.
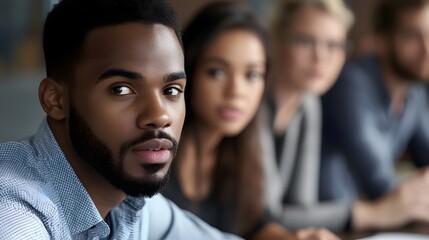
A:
(378, 110)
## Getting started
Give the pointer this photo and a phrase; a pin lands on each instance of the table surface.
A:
(419, 228)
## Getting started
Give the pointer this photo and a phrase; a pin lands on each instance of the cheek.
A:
(204, 106)
(407, 55)
(407, 52)
(294, 60)
(335, 66)
(330, 77)
(290, 70)
(112, 117)
(299, 63)
(206, 94)
(116, 118)
(259, 92)
(254, 98)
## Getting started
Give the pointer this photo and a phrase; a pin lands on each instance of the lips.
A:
(230, 113)
(315, 75)
(154, 144)
(154, 151)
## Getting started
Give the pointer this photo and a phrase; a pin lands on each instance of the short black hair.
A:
(386, 13)
(70, 21)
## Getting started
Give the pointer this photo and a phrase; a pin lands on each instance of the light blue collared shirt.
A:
(41, 197)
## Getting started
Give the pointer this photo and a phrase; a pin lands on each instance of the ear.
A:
(53, 97)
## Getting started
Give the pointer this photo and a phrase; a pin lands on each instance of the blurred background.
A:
(21, 55)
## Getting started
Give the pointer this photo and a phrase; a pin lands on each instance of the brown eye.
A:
(121, 90)
(172, 91)
(336, 46)
(254, 76)
(216, 73)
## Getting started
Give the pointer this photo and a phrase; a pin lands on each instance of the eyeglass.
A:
(310, 43)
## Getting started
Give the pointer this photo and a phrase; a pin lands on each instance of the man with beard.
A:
(376, 112)
(115, 109)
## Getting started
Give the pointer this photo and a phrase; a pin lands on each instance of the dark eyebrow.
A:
(225, 63)
(257, 65)
(136, 76)
(175, 76)
(217, 60)
(119, 73)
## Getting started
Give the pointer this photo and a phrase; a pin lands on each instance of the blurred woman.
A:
(217, 174)
(310, 44)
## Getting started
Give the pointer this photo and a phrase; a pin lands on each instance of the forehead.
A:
(153, 48)
(238, 44)
(312, 20)
(415, 17)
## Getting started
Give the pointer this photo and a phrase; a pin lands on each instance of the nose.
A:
(320, 51)
(234, 87)
(153, 113)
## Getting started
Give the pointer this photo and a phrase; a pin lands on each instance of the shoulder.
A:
(27, 207)
(359, 87)
(12, 151)
(20, 222)
(167, 221)
(25, 194)
(19, 169)
(363, 67)
(358, 76)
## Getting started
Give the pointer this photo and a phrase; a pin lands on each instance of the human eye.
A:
(336, 46)
(254, 76)
(172, 91)
(216, 73)
(303, 40)
(121, 90)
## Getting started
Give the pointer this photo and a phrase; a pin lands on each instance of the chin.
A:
(152, 178)
(146, 186)
(317, 90)
(232, 131)
(155, 170)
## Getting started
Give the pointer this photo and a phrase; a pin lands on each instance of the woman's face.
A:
(228, 82)
(313, 51)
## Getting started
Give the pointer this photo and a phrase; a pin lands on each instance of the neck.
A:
(208, 139)
(287, 100)
(198, 161)
(95, 184)
(397, 87)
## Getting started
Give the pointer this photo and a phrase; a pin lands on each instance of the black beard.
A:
(94, 152)
(399, 69)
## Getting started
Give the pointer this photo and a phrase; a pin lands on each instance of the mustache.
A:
(148, 136)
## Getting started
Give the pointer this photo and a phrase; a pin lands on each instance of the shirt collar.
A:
(77, 207)
(372, 63)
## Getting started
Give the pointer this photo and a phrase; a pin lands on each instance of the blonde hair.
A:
(285, 10)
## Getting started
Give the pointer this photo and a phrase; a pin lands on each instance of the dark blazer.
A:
(292, 184)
